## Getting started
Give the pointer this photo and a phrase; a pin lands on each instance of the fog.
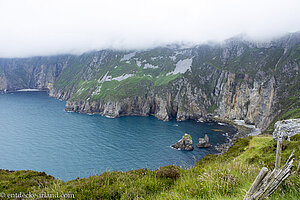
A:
(48, 27)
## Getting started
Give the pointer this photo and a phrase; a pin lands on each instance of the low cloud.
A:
(47, 27)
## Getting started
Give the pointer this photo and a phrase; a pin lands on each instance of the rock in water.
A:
(186, 143)
(286, 128)
(203, 142)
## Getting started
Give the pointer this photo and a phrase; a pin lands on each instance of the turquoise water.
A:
(37, 134)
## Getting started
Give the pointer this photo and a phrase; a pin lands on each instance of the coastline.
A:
(242, 130)
(24, 90)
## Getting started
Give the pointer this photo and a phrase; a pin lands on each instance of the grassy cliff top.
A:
(228, 176)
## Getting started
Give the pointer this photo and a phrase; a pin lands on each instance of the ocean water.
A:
(37, 134)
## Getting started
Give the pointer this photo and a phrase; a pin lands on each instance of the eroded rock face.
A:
(186, 143)
(203, 142)
(286, 128)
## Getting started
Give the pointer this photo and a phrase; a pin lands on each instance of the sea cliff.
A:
(238, 79)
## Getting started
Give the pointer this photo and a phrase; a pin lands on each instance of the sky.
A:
(49, 27)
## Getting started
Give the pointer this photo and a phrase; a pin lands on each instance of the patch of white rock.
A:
(182, 66)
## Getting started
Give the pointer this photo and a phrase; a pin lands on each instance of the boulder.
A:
(203, 142)
(185, 143)
(286, 128)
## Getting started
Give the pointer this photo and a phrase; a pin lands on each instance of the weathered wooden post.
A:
(263, 172)
(267, 182)
(278, 153)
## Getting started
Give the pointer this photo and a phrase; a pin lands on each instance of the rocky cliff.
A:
(237, 79)
(36, 72)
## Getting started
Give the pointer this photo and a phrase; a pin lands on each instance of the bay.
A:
(37, 134)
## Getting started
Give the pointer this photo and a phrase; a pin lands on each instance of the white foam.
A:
(175, 148)
(110, 117)
(28, 90)
(254, 131)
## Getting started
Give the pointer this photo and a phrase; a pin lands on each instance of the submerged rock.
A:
(186, 143)
(203, 142)
(286, 128)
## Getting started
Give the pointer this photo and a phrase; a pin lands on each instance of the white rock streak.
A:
(123, 77)
(149, 66)
(109, 78)
(128, 56)
(182, 66)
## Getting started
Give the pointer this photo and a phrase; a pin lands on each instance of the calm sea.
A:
(37, 134)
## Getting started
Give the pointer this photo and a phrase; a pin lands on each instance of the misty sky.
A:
(47, 27)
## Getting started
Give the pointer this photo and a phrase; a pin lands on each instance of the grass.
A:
(228, 176)
(164, 80)
(130, 87)
(212, 108)
(187, 136)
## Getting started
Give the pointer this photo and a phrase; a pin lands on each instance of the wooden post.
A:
(267, 182)
(263, 172)
(278, 153)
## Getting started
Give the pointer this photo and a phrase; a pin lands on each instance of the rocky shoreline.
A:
(242, 130)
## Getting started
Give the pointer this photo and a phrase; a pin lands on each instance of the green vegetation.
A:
(228, 176)
(164, 80)
(23, 181)
(290, 110)
(187, 136)
(130, 87)
(212, 108)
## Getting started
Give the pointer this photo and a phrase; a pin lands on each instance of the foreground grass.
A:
(228, 176)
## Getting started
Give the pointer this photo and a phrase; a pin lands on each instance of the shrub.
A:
(170, 171)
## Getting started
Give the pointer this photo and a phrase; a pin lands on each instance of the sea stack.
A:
(186, 143)
(203, 142)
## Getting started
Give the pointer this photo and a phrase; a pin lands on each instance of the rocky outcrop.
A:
(203, 142)
(185, 143)
(129, 106)
(286, 128)
(60, 93)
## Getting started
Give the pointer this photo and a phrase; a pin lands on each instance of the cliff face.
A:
(234, 80)
(37, 72)
(249, 99)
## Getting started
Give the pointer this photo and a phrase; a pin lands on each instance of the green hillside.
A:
(228, 176)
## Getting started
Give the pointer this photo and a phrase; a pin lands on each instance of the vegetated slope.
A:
(228, 176)
(238, 79)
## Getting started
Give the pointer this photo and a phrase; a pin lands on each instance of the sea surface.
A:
(37, 134)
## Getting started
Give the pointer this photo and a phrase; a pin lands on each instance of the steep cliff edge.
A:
(36, 72)
(237, 79)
